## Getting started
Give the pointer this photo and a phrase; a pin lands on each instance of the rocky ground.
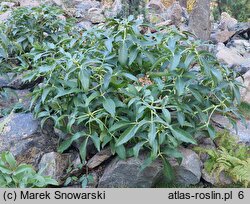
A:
(21, 133)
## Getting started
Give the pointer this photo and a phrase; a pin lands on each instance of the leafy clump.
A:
(230, 157)
(13, 175)
(125, 89)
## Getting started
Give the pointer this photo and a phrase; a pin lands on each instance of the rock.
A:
(199, 20)
(222, 36)
(95, 15)
(218, 181)
(232, 59)
(81, 9)
(7, 4)
(55, 165)
(86, 25)
(189, 171)
(155, 6)
(174, 13)
(245, 91)
(99, 158)
(4, 16)
(21, 134)
(20, 98)
(115, 10)
(127, 174)
(227, 22)
(30, 3)
(240, 46)
(243, 133)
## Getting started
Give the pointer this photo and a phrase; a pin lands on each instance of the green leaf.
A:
(137, 148)
(45, 93)
(129, 133)
(84, 77)
(152, 133)
(168, 171)
(130, 76)
(119, 125)
(166, 115)
(175, 61)
(67, 143)
(109, 106)
(121, 151)
(10, 159)
(180, 86)
(123, 54)
(181, 118)
(83, 150)
(211, 131)
(96, 140)
(132, 55)
(183, 136)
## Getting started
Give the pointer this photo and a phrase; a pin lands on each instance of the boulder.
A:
(115, 10)
(21, 134)
(7, 4)
(99, 158)
(189, 171)
(199, 20)
(155, 6)
(245, 91)
(174, 13)
(81, 9)
(31, 3)
(55, 165)
(240, 46)
(227, 22)
(127, 173)
(243, 133)
(222, 36)
(232, 58)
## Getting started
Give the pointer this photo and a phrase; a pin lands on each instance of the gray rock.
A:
(55, 165)
(222, 36)
(243, 133)
(199, 20)
(189, 171)
(21, 135)
(30, 3)
(245, 91)
(232, 58)
(99, 158)
(115, 10)
(7, 4)
(81, 9)
(240, 46)
(95, 15)
(127, 174)
(174, 13)
(227, 22)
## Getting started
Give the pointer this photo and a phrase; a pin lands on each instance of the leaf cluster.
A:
(13, 175)
(125, 89)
